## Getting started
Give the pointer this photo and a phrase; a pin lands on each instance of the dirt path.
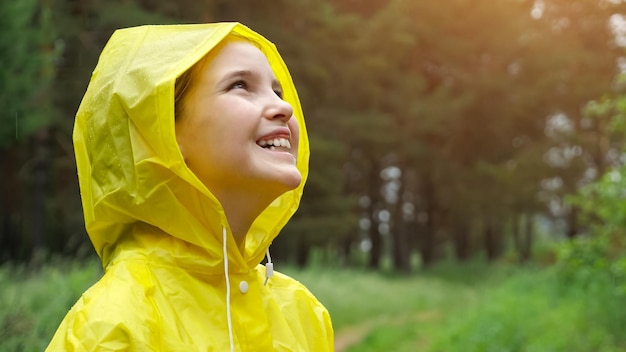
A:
(352, 335)
(355, 334)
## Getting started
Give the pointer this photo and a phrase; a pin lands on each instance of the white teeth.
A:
(272, 144)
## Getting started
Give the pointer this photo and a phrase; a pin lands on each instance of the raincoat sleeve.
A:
(75, 334)
(328, 327)
(320, 317)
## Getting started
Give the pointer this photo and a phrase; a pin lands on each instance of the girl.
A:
(192, 154)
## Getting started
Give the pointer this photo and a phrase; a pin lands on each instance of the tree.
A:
(28, 53)
(582, 30)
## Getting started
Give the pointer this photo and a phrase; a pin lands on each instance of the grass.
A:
(533, 311)
(33, 302)
(356, 297)
(399, 312)
(474, 307)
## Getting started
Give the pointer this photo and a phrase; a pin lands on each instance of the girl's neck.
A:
(241, 211)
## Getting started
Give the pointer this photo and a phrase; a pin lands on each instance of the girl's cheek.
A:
(293, 126)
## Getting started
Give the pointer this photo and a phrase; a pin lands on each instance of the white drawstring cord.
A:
(228, 318)
(269, 272)
(269, 267)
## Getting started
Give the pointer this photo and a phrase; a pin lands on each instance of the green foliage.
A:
(501, 309)
(527, 314)
(547, 310)
(116, 14)
(601, 202)
(455, 94)
(583, 262)
(28, 54)
(391, 337)
(496, 310)
(618, 270)
(594, 270)
(599, 259)
(33, 302)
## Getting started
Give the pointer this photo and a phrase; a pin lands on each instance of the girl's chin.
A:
(294, 180)
(290, 182)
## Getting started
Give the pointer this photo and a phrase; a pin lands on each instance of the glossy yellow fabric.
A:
(158, 229)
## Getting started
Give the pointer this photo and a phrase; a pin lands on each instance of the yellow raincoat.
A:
(160, 232)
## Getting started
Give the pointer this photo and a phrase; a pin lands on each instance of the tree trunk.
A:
(401, 246)
(377, 244)
(302, 254)
(523, 235)
(492, 239)
(461, 241)
(427, 244)
(10, 232)
(40, 182)
(401, 249)
(346, 250)
(528, 238)
(572, 223)
(375, 184)
(602, 144)
(516, 234)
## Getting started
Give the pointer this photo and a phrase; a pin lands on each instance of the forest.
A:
(456, 131)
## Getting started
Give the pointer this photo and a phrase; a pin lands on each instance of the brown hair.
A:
(182, 86)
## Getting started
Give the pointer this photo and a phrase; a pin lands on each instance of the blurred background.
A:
(467, 188)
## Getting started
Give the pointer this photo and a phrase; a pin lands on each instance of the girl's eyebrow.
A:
(248, 75)
(237, 74)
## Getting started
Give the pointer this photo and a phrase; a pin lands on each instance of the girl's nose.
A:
(278, 109)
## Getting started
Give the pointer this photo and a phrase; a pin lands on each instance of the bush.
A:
(578, 305)
(531, 312)
(590, 270)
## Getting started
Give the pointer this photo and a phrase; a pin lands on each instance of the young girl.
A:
(192, 154)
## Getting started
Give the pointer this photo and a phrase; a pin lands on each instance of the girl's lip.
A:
(281, 132)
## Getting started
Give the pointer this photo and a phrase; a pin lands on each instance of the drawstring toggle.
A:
(269, 268)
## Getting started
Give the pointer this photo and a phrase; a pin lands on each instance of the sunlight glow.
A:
(617, 22)
(537, 10)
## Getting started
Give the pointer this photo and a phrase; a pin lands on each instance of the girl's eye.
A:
(279, 93)
(239, 85)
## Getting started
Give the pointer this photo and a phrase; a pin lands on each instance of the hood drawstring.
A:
(228, 316)
(269, 267)
(269, 272)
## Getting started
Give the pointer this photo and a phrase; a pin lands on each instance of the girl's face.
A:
(236, 133)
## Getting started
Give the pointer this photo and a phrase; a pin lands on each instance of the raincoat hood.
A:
(174, 279)
(130, 169)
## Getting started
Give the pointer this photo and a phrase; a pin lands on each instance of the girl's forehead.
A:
(238, 57)
(239, 54)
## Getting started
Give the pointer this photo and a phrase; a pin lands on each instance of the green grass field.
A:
(33, 302)
(473, 307)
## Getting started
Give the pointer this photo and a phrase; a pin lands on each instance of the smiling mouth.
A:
(275, 144)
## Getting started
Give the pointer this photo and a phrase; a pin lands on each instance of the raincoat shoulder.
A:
(143, 304)
(99, 322)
